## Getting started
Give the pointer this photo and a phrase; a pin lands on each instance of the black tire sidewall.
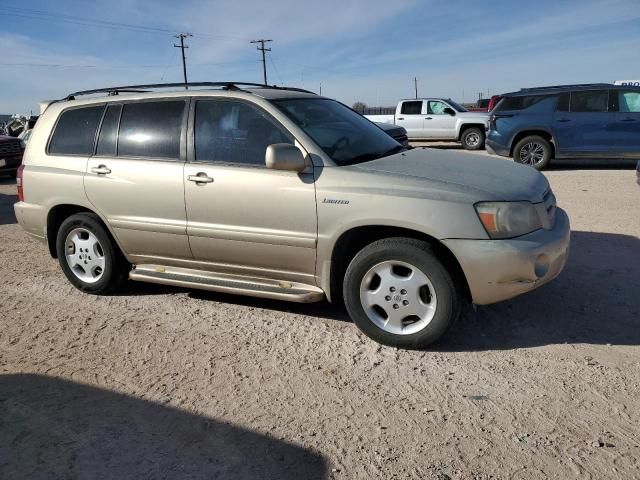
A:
(419, 255)
(114, 270)
(534, 138)
(480, 144)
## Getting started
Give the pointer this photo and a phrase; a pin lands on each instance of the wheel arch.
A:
(546, 134)
(57, 214)
(466, 126)
(350, 242)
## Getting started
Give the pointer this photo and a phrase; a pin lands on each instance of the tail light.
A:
(492, 122)
(20, 184)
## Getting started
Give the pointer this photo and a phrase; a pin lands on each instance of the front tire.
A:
(89, 257)
(398, 293)
(534, 151)
(473, 138)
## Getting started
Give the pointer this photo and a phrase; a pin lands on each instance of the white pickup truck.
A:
(438, 119)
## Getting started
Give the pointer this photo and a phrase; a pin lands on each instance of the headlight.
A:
(508, 219)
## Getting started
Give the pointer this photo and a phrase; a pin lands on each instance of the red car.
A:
(10, 155)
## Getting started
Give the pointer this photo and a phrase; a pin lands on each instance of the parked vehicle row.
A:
(536, 125)
(438, 119)
(280, 193)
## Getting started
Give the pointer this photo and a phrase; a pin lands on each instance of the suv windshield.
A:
(341, 133)
(457, 106)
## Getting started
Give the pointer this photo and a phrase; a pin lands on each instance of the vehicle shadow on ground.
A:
(53, 428)
(595, 300)
(6, 209)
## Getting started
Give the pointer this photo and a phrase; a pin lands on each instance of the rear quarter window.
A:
(75, 131)
(527, 102)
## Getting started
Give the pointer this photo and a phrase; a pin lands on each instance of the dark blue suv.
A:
(536, 125)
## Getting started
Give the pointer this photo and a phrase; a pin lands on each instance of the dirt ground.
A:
(170, 383)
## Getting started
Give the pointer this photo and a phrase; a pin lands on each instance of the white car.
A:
(438, 119)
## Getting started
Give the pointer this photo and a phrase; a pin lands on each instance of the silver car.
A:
(283, 194)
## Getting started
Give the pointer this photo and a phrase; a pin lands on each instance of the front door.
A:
(244, 218)
(439, 124)
(586, 127)
(135, 179)
(411, 118)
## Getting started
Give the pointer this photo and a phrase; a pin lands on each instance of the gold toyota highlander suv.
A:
(280, 193)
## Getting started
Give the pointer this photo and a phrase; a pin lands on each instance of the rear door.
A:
(439, 124)
(627, 122)
(586, 127)
(244, 218)
(135, 178)
(411, 117)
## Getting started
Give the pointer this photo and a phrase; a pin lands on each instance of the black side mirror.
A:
(450, 111)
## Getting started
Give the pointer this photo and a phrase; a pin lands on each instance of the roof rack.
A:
(567, 86)
(145, 88)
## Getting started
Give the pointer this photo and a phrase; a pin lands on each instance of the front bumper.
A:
(497, 270)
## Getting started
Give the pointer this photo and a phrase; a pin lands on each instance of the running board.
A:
(221, 282)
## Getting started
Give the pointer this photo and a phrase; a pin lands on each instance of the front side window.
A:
(436, 108)
(629, 101)
(234, 132)
(590, 101)
(411, 108)
(345, 136)
(76, 131)
(151, 129)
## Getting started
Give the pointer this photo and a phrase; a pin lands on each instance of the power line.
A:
(262, 41)
(182, 46)
(86, 21)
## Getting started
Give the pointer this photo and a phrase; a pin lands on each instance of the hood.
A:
(475, 177)
(483, 116)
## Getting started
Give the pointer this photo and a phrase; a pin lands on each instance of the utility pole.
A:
(182, 46)
(262, 41)
(320, 88)
(415, 85)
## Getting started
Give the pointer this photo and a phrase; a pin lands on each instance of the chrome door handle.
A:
(200, 177)
(101, 170)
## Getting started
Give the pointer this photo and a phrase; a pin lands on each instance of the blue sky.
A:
(367, 50)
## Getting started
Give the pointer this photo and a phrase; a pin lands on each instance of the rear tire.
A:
(89, 257)
(534, 151)
(398, 293)
(473, 138)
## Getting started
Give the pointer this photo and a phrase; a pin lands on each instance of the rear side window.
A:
(234, 132)
(411, 108)
(151, 129)
(75, 131)
(590, 101)
(109, 132)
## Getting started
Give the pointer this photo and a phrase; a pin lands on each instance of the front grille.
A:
(10, 148)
